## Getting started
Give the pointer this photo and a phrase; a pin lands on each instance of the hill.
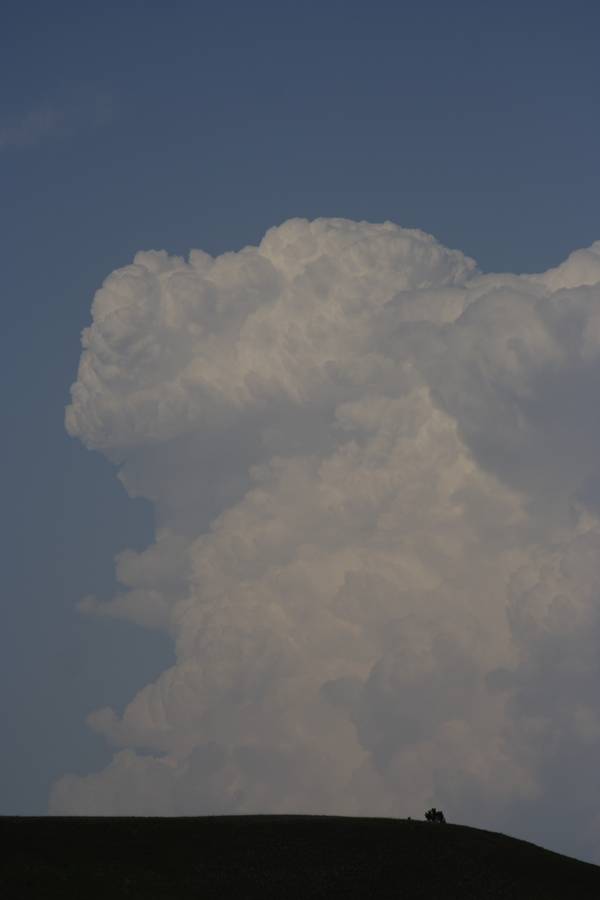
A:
(278, 856)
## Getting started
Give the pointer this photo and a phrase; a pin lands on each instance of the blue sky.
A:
(175, 125)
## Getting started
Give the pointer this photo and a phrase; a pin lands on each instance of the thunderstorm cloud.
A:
(376, 478)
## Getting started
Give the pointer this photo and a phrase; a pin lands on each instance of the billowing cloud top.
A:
(376, 480)
(177, 346)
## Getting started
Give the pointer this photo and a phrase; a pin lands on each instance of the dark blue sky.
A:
(175, 125)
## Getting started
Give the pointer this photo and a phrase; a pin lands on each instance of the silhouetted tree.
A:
(435, 815)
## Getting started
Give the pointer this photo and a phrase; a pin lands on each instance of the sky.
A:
(167, 127)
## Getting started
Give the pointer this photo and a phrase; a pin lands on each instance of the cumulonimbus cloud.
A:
(375, 474)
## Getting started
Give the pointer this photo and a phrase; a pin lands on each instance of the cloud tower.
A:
(375, 473)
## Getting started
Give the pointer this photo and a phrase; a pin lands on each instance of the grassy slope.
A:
(277, 856)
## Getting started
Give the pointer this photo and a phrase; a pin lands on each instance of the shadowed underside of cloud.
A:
(377, 546)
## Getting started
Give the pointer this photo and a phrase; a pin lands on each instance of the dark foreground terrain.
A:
(277, 856)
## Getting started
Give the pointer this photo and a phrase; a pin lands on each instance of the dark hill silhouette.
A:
(278, 856)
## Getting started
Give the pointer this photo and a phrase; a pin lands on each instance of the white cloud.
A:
(376, 542)
(31, 128)
(83, 108)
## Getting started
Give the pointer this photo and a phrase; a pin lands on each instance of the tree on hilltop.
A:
(435, 815)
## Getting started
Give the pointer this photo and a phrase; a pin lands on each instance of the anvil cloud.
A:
(377, 486)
